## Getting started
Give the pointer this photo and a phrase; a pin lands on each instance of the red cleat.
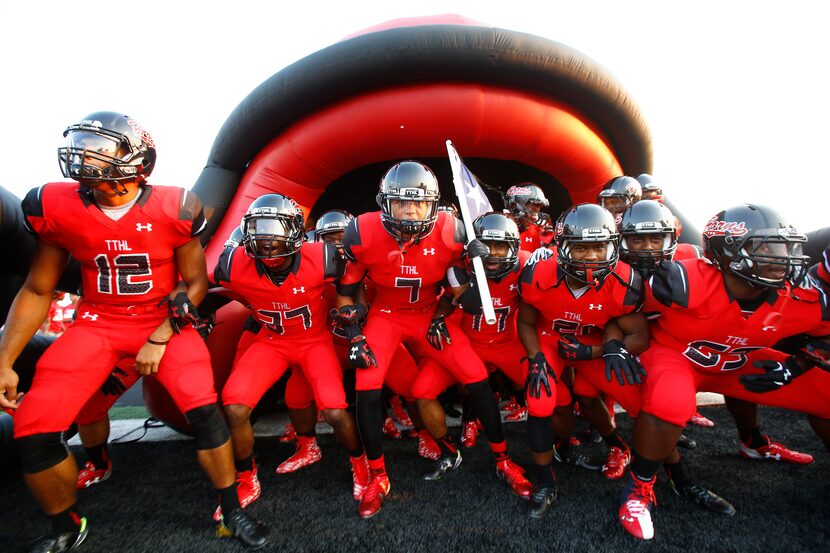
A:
(372, 501)
(247, 489)
(510, 405)
(574, 441)
(514, 475)
(307, 453)
(516, 415)
(289, 434)
(635, 512)
(618, 459)
(427, 446)
(700, 420)
(774, 451)
(469, 435)
(89, 475)
(399, 414)
(390, 430)
(360, 476)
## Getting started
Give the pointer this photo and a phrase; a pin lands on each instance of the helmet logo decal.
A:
(140, 132)
(519, 191)
(722, 228)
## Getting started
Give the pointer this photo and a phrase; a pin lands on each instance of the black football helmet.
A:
(235, 239)
(647, 217)
(408, 181)
(335, 220)
(585, 223)
(272, 219)
(651, 190)
(498, 227)
(757, 245)
(519, 200)
(618, 194)
(108, 147)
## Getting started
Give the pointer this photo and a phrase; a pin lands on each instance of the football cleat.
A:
(699, 495)
(700, 420)
(360, 475)
(686, 442)
(390, 430)
(775, 451)
(372, 501)
(444, 466)
(427, 446)
(307, 453)
(514, 475)
(576, 459)
(469, 435)
(618, 459)
(635, 508)
(518, 414)
(289, 434)
(248, 490)
(610, 404)
(399, 414)
(90, 475)
(510, 405)
(61, 543)
(542, 501)
(245, 528)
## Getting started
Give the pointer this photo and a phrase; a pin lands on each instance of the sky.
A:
(735, 93)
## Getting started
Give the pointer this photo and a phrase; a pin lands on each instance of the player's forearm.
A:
(23, 321)
(528, 337)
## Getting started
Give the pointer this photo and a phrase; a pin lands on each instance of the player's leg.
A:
(302, 411)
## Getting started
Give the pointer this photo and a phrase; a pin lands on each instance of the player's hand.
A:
(113, 385)
(571, 349)
(349, 315)
(182, 312)
(539, 254)
(360, 354)
(816, 353)
(621, 363)
(438, 333)
(205, 326)
(148, 358)
(537, 375)
(477, 248)
(776, 375)
(9, 398)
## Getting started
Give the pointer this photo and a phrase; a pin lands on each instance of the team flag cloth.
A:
(472, 203)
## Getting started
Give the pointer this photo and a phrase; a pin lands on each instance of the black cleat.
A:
(245, 528)
(686, 442)
(445, 465)
(68, 541)
(697, 494)
(541, 501)
(577, 459)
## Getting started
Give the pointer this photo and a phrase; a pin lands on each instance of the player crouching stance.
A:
(132, 241)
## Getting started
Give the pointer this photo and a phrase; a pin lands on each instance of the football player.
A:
(283, 279)
(406, 250)
(618, 194)
(651, 190)
(718, 317)
(525, 202)
(133, 241)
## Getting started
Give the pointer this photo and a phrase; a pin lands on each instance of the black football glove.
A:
(571, 349)
(182, 312)
(438, 333)
(360, 355)
(539, 254)
(113, 386)
(205, 326)
(477, 248)
(816, 354)
(349, 318)
(621, 363)
(537, 375)
(776, 374)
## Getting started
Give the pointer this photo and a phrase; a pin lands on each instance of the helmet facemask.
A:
(496, 266)
(400, 226)
(270, 237)
(592, 273)
(770, 258)
(645, 259)
(94, 153)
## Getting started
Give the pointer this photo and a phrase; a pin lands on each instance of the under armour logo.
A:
(300, 290)
(429, 251)
(598, 307)
(769, 455)
(139, 227)
(768, 329)
(513, 287)
(353, 354)
(90, 316)
(528, 239)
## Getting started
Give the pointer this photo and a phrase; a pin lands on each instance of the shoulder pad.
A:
(32, 205)
(459, 233)
(351, 238)
(190, 209)
(333, 264)
(222, 271)
(670, 284)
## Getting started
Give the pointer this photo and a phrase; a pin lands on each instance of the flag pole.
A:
(478, 264)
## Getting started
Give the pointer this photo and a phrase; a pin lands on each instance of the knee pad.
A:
(39, 452)
(209, 428)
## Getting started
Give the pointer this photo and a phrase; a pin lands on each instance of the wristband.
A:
(157, 343)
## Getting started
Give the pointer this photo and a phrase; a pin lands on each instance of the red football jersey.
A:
(698, 317)
(295, 307)
(687, 251)
(529, 239)
(125, 262)
(543, 286)
(408, 276)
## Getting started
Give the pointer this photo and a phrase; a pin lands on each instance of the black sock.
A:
(543, 475)
(563, 448)
(519, 396)
(245, 464)
(370, 422)
(447, 445)
(98, 456)
(752, 437)
(677, 473)
(614, 440)
(468, 409)
(643, 468)
(540, 433)
(65, 521)
(488, 410)
(355, 452)
(228, 499)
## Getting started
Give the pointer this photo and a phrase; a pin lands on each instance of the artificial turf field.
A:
(157, 501)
